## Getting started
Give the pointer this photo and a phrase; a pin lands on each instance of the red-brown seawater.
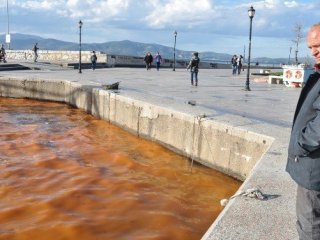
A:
(67, 175)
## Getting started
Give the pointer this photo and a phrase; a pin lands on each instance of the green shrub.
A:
(276, 74)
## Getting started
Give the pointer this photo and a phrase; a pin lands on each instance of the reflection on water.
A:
(66, 175)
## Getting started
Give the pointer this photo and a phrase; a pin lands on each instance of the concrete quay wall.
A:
(54, 56)
(229, 149)
(110, 60)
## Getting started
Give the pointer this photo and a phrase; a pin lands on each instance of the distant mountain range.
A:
(125, 47)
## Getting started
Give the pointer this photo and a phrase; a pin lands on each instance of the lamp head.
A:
(251, 12)
(80, 24)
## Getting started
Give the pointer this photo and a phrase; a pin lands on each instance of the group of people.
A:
(236, 62)
(193, 65)
(35, 48)
(148, 59)
(3, 53)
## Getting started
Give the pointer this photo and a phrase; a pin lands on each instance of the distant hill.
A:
(125, 47)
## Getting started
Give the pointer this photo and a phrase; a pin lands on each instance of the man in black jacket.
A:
(304, 148)
(93, 59)
(194, 67)
(35, 51)
(148, 60)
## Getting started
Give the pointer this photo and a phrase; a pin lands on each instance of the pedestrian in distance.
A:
(93, 59)
(148, 59)
(2, 54)
(234, 64)
(35, 52)
(303, 163)
(194, 67)
(239, 64)
(158, 60)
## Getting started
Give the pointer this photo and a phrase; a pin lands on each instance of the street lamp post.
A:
(8, 33)
(80, 27)
(297, 62)
(289, 55)
(174, 50)
(251, 13)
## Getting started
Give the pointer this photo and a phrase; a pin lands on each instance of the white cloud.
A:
(277, 5)
(40, 5)
(177, 12)
(291, 4)
(96, 10)
(92, 10)
(271, 4)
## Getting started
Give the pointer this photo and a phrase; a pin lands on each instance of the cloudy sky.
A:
(202, 25)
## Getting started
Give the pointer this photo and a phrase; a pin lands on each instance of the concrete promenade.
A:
(267, 110)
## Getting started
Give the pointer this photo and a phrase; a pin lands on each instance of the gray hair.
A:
(316, 25)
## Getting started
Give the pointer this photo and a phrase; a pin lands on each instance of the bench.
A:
(265, 71)
(275, 80)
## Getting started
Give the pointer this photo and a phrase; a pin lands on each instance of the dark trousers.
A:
(158, 66)
(308, 214)
(234, 69)
(239, 67)
(35, 57)
(148, 66)
(93, 65)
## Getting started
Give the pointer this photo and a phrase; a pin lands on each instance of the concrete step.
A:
(86, 65)
(12, 67)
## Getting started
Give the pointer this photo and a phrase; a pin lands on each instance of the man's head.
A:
(313, 41)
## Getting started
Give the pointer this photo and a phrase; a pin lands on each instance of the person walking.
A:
(158, 60)
(303, 162)
(194, 67)
(148, 60)
(93, 59)
(239, 64)
(35, 51)
(2, 54)
(234, 64)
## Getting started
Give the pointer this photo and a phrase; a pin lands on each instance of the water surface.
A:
(66, 175)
